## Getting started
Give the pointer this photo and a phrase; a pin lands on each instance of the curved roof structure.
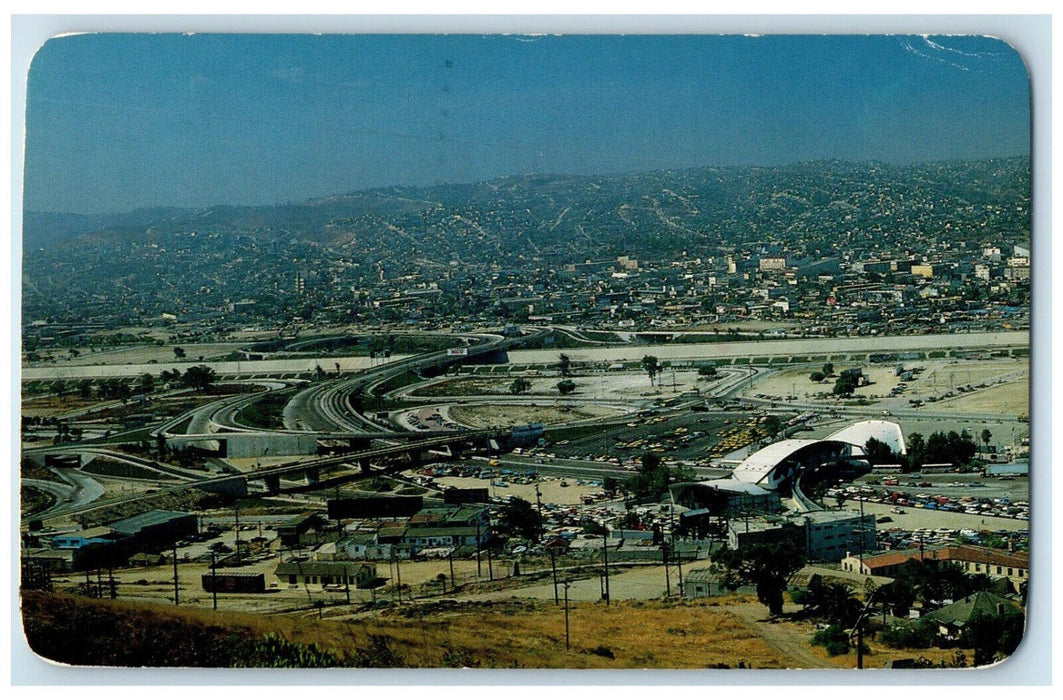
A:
(883, 430)
(758, 465)
(777, 463)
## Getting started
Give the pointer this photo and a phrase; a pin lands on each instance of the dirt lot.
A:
(549, 487)
(1004, 389)
(517, 414)
(143, 354)
(606, 386)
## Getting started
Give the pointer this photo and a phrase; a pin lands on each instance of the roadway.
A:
(325, 407)
(287, 469)
(804, 347)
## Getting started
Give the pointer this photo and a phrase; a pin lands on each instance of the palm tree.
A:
(652, 367)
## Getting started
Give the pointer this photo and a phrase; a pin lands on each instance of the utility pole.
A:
(450, 556)
(679, 563)
(566, 616)
(237, 512)
(675, 550)
(214, 578)
(478, 572)
(860, 532)
(539, 505)
(176, 594)
(667, 578)
(347, 583)
(605, 563)
(553, 566)
(398, 577)
(490, 566)
(860, 646)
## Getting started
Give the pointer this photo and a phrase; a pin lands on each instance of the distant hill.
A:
(48, 229)
(690, 206)
(454, 244)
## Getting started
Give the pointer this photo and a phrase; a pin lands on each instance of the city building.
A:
(325, 573)
(819, 535)
(995, 563)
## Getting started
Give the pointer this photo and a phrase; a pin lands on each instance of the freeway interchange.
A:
(326, 410)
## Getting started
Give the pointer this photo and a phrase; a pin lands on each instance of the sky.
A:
(116, 122)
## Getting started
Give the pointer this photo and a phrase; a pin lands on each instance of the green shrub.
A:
(833, 639)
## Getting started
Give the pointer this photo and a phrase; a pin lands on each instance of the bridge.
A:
(308, 472)
(325, 409)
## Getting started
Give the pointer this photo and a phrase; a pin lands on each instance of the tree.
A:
(199, 377)
(940, 447)
(708, 370)
(828, 369)
(833, 602)
(844, 385)
(990, 634)
(934, 581)
(147, 383)
(566, 386)
(878, 452)
(817, 376)
(772, 425)
(897, 597)
(564, 365)
(986, 437)
(520, 385)
(170, 376)
(768, 566)
(834, 639)
(520, 518)
(653, 477)
(652, 367)
(178, 353)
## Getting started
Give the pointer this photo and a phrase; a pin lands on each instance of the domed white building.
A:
(778, 463)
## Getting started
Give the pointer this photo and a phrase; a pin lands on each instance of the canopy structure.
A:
(882, 430)
(778, 463)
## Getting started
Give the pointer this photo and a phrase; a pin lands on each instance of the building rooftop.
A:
(317, 568)
(730, 484)
(830, 516)
(981, 603)
(136, 523)
(883, 430)
(757, 466)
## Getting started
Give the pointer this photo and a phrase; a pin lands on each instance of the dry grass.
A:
(522, 634)
(532, 635)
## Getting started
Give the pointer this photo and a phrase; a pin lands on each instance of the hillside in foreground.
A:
(446, 634)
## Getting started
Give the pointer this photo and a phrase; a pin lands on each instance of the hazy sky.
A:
(121, 121)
